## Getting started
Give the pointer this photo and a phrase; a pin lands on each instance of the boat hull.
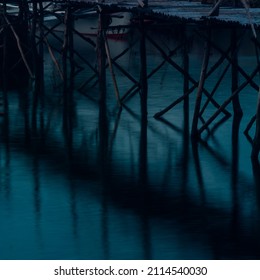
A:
(87, 25)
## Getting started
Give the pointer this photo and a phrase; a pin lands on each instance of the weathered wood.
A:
(194, 130)
(181, 70)
(135, 88)
(105, 60)
(131, 45)
(71, 56)
(101, 57)
(85, 83)
(40, 67)
(189, 91)
(250, 124)
(112, 71)
(143, 72)
(235, 102)
(186, 103)
(86, 39)
(65, 50)
(241, 87)
(215, 9)
(55, 61)
(19, 47)
(76, 53)
(229, 59)
(215, 89)
(131, 91)
(128, 75)
(246, 6)
(218, 63)
(174, 103)
(256, 141)
(4, 64)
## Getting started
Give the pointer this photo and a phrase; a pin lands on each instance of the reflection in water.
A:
(95, 182)
(256, 173)
(234, 177)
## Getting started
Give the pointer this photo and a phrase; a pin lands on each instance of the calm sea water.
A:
(102, 185)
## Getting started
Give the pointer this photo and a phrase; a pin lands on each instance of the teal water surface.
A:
(102, 184)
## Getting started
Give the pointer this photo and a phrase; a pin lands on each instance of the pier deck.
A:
(194, 11)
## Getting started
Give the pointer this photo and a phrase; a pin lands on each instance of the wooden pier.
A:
(155, 16)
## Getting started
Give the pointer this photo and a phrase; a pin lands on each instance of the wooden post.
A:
(215, 9)
(41, 67)
(247, 77)
(34, 63)
(235, 148)
(101, 56)
(143, 71)
(194, 131)
(186, 105)
(72, 63)
(236, 104)
(185, 59)
(256, 141)
(195, 83)
(38, 64)
(4, 62)
(112, 71)
(66, 53)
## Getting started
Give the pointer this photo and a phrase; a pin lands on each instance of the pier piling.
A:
(143, 71)
(39, 31)
(195, 132)
(234, 80)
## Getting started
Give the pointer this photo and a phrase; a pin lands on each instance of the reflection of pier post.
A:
(143, 180)
(143, 184)
(234, 175)
(37, 198)
(199, 173)
(103, 171)
(25, 107)
(256, 173)
(38, 61)
(74, 212)
(143, 145)
(5, 158)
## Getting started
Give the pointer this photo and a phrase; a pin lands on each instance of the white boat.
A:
(86, 22)
(10, 9)
(119, 23)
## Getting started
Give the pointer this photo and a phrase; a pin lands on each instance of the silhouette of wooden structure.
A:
(147, 19)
